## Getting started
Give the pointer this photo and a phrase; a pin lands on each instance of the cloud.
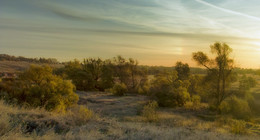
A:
(79, 31)
(227, 10)
(68, 14)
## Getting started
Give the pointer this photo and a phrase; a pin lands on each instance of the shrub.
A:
(195, 100)
(168, 91)
(38, 87)
(171, 97)
(238, 127)
(119, 89)
(237, 108)
(194, 104)
(143, 90)
(79, 114)
(149, 111)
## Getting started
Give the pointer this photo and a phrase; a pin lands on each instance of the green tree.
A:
(94, 68)
(121, 69)
(183, 71)
(79, 77)
(107, 76)
(133, 71)
(219, 69)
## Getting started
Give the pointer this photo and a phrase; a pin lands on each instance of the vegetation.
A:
(119, 89)
(150, 111)
(219, 71)
(221, 93)
(6, 57)
(38, 87)
(168, 91)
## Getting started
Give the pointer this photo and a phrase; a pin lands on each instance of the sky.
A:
(155, 32)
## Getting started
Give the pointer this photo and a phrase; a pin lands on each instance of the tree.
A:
(183, 71)
(121, 69)
(79, 77)
(94, 68)
(107, 76)
(133, 68)
(219, 69)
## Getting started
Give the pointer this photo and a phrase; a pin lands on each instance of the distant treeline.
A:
(247, 71)
(6, 57)
(154, 70)
(151, 70)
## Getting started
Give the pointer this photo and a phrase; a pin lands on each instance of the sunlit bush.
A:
(149, 111)
(194, 104)
(169, 93)
(195, 100)
(79, 114)
(119, 89)
(38, 87)
(238, 108)
(238, 127)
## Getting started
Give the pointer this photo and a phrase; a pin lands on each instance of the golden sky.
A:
(156, 32)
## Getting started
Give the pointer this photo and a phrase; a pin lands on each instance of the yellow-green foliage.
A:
(238, 127)
(119, 89)
(80, 114)
(170, 92)
(149, 111)
(236, 107)
(143, 89)
(194, 104)
(195, 100)
(38, 87)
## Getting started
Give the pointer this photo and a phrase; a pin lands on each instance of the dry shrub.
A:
(232, 125)
(237, 108)
(79, 114)
(119, 89)
(195, 100)
(150, 111)
(194, 104)
(238, 127)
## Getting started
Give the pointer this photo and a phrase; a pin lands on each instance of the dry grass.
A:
(119, 118)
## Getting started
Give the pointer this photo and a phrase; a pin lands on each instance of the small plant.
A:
(195, 100)
(149, 111)
(238, 127)
(119, 89)
(80, 114)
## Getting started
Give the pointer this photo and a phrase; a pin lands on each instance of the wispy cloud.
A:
(228, 11)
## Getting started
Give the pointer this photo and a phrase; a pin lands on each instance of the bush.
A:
(38, 87)
(119, 89)
(238, 127)
(194, 104)
(168, 91)
(143, 90)
(195, 100)
(170, 97)
(79, 114)
(149, 111)
(237, 108)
